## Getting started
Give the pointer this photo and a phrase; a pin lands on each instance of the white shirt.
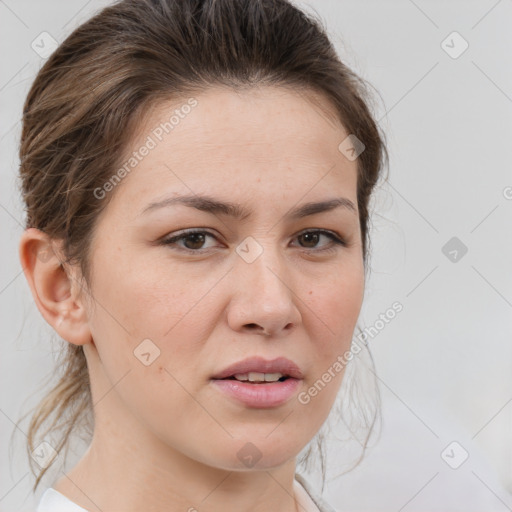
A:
(54, 501)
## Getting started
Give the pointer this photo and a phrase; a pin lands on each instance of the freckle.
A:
(161, 375)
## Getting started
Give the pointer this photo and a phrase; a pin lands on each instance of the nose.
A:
(263, 300)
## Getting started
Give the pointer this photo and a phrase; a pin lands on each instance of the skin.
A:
(165, 438)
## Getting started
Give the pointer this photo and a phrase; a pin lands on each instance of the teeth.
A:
(258, 377)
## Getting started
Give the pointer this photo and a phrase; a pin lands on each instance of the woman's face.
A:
(251, 282)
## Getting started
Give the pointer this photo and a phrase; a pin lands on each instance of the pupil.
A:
(197, 240)
(312, 237)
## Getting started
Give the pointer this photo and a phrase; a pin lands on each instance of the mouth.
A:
(258, 383)
(258, 378)
(260, 370)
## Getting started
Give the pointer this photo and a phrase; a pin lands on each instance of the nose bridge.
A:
(264, 294)
(264, 269)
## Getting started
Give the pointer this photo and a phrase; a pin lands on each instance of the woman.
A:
(196, 176)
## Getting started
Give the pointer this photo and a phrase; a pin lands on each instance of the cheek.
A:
(150, 300)
(335, 305)
(152, 314)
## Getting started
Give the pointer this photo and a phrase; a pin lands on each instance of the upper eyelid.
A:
(192, 231)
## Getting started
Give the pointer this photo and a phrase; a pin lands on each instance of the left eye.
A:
(193, 241)
(312, 237)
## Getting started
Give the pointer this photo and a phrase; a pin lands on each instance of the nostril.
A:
(256, 327)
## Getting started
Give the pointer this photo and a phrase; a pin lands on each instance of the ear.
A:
(55, 287)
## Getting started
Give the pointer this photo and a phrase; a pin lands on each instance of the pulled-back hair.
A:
(95, 91)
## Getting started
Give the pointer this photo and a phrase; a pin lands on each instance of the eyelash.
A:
(336, 239)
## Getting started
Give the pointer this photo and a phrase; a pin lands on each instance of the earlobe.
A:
(54, 286)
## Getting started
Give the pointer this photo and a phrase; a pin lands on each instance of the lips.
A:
(260, 395)
(260, 365)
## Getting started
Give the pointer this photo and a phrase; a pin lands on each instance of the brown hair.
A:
(95, 90)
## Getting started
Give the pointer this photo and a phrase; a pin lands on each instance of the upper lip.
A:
(260, 365)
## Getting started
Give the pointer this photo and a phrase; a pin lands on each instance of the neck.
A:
(128, 469)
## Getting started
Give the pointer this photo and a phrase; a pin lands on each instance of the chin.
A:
(262, 453)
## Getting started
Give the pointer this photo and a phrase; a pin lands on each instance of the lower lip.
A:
(271, 394)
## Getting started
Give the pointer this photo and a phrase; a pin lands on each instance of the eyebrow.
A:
(211, 205)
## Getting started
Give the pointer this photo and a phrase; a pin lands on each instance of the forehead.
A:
(223, 117)
(265, 135)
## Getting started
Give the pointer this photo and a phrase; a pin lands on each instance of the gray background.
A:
(444, 363)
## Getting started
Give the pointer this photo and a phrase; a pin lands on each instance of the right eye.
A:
(193, 241)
